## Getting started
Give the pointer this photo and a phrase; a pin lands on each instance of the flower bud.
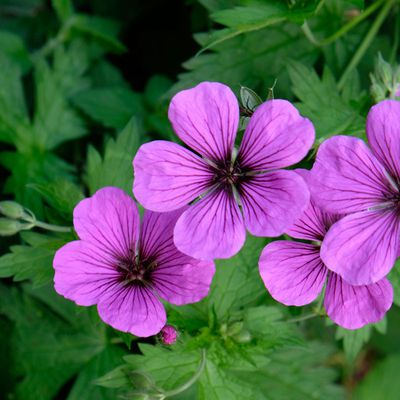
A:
(168, 335)
(250, 99)
(9, 227)
(11, 209)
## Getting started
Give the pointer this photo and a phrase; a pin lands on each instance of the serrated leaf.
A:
(322, 102)
(13, 46)
(111, 106)
(250, 60)
(115, 168)
(33, 263)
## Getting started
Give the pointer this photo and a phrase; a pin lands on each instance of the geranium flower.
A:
(294, 274)
(168, 176)
(350, 178)
(126, 269)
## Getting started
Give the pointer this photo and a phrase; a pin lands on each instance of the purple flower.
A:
(294, 274)
(350, 178)
(126, 269)
(168, 176)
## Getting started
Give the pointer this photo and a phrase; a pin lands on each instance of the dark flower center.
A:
(227, 173)
(134, 271)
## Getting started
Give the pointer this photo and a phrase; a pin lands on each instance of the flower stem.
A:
(302, 318)
(191, 381)
(344, 29)
(53, 228)
(365, 43)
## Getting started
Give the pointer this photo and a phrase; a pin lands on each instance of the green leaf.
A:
(251, 18)
(381, 382)
(237, 283)
(111, 106)
(34, 263)
(353, 341)
(55, 121)
(321, 101)
(13, 46)
(394, 278)
(103, 30)
(62, 195)
(63, 8)
(250, 60)
(115, 168)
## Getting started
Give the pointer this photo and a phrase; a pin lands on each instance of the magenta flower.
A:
(350, 178)
(168, 335)
(168, 176)
(126, 269)
(294, 274)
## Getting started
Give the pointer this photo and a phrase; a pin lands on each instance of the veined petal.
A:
(362, 247)
(313, 222)
(212, 228)
(352, 307)
(167, 176)
(206, 118)
(133, 309)
(177, 278)
(346, 177)
(277, 136)
(272, 202)
(83, 272)
(292, 272)
(383, 132)
(109, 220)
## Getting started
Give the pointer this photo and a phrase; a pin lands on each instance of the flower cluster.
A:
(200, 201)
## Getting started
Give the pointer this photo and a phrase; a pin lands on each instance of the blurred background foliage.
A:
(82, 84)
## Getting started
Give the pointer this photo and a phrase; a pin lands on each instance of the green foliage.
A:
(115, 168)
(332, 112)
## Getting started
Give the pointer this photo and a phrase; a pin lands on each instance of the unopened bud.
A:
(11, 209)
(168, 335)
(250, 99)
(243, 337)
(9, 227)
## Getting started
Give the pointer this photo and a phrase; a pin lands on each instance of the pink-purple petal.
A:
(353, 307)
(347, 177)
(292, 272)
(109, 220)
(177, 278)
(206, 118)
(168, 176)
(83, 272)
(272, 202)
(133, 309)
(212, 228)
(383, 132)
(277, 136)
(362, 247)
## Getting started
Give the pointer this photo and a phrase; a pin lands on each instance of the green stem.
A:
(365, 43)
(302, 318)
(53, 228)
(191, 381)
(344, 29)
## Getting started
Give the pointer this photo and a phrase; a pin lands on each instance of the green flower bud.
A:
(11, 209)
(9, 227)
(243, 337)
(250, 99)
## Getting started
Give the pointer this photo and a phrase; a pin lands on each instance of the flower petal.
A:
(178, 278)
(292, 272)
(212, 228)
(167, 176)
(362, 247)
(383, 132)
(277, 136)
(206, 118)
(83, 272)
(313, 222)
(109, 220)
(273, 202)
(352, 307)
(133, 309)
(346, 177)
